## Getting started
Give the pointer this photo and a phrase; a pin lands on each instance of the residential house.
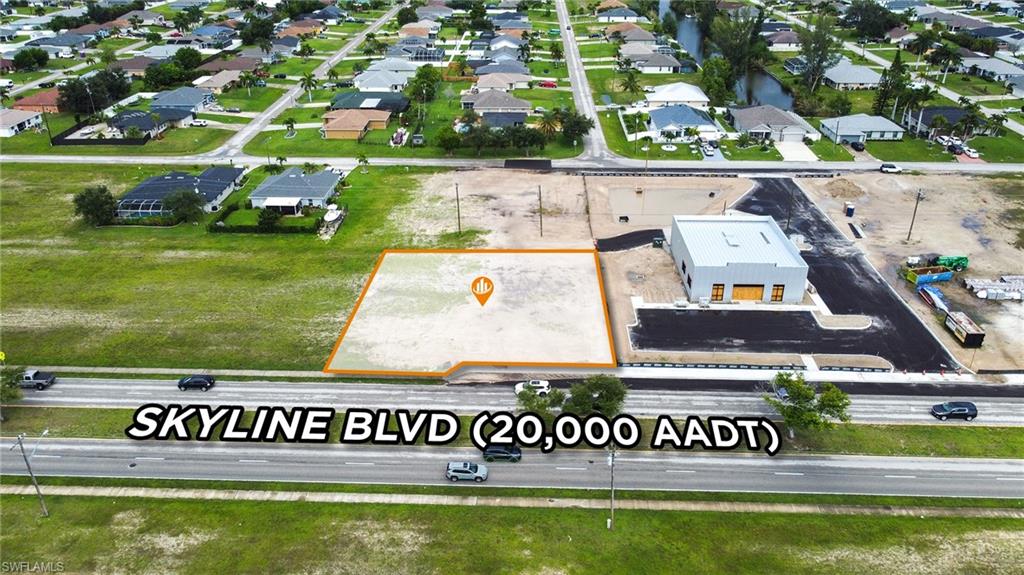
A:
(422, 29)
(68, 43)
(161, 51)
(424, 54)
(6, 65)
(494, 101)
(675, 94)
(609, 5)
(503, 55)
(614, 29)
(503, 68)
(900, 35)
(655, 63)
(498, 120)
(673, 123)
(215, 184)
(619, 15)
(13, 122)
(353, 124)
(919, 122)
(394, 102)
(632, 51)
(94, 31)
(861, 128)
(952, 22)
(786, 41)
(396, 65)
(45, 101)
(135, 66)
(990, 68)
(503, 82)
(638, 36)
(902, 6)
(148, 122)
(380, 81)
(507, 16)
(505, 41)
(331, 15)
(477, 48)
(311, 25)
(219, 82)
(241, 63)
(769, 28)
(178, 5)
(8, 34)
(184, 98)
(849, 76)
(771, 123)
(1016, 86)
(145, 18)
(293, 189)
(1005, 38)
(434, 13)
(506, 26)
(210, 37)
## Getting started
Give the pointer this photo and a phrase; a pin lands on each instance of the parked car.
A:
(280, 76)
(87, 131)
(46, 84)
(37, 379)
(956, 149)
(510, 453)
(857, 146)
(203, 382)
(540, 110)
(971, 153)
(232, 110)
(345, 84)
(261, 83)
(708, 150)
(541, 386)
(547, 84)
(955, 409)
(465, 470)
(595, 35)
(649, 89)
(199, 123)
(956, 141)
(944, 140)
(890, 169)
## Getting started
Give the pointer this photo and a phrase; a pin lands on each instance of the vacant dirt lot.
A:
(959, 216)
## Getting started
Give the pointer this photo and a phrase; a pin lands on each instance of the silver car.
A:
(466, 470)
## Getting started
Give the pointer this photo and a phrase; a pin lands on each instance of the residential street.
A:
(594, 145)
(578, 468)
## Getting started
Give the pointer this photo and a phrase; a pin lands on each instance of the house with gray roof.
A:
(150, 122)
(619, 15)
(503, 68)
(849, 76)
(671, 124)
(67, 40)
(214, 184)
(655, 63)
(395, 102)
(293, 189)
(434, 12)
(397, 65)
(496, 120)
(494, 101)
(861, 128)
(638, 36)
(381, 81)
(771, 123)
(184, 98)
(990, 68)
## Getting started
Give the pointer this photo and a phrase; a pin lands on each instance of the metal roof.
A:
(723, 240)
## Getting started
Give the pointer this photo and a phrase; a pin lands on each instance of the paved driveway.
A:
(795, 152)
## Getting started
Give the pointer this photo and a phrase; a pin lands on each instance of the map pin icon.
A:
(482, 287)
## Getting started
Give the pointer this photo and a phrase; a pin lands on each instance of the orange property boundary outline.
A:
(460, 365)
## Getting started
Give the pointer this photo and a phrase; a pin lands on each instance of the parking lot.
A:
(841, 275)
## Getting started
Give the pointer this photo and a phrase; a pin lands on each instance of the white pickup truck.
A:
(37, 379)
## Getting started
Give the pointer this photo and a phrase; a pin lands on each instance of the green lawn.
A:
(226, 118)
(828, 151)
(97, 534)
(970, 85)
(20, 78)
(751, 153)
(117, 43)
(1015, 103)
(609, 82)
(1008, 147)
(176, 141)
(330, 44)
(294, 66)
(599, 50)
(908, 150)
(547, 98)
(548, 69)
(260, 100)
(75, 295)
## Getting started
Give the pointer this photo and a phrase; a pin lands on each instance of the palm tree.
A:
(289, 123)
(917, 97)
(556, 53)
(107, 55)
(460, 67)
(310, 168)
(630, 84)
(947, 57)
(548, 124)
(363, 162)
(266, 46)
(524, 52)
(135, 22)
(281, 160)
(972, 118)
(332, 74)
(5, 94)
(247, 80)
(308, 83)
(994, 124)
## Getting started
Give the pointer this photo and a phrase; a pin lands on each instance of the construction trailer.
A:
(927, 275)
(964, 329)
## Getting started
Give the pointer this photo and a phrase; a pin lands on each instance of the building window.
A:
(689, 281)
(683, 264)
(778, 290)
(718, 292)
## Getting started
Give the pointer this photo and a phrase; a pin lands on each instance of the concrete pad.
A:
(418, 316)
(795, 152)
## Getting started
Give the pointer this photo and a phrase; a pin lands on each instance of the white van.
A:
(199, 123)
(6, 83)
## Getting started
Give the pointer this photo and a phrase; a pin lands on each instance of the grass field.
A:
(75, 295)
(260, 100)
(751, 153)
(608, 82)
(294, 66)
(826, 150)
(894, 440)
(178, 141)
(1009, 147)
(908, 150)
(103, 534)
(970, 85)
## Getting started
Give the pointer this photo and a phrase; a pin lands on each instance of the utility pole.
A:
(458, 207)
(21, 444)
(920, 196)
(540, 210)
(611, 464)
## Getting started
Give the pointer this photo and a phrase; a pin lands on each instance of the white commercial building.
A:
(737, 258)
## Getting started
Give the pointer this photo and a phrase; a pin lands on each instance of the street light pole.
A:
(21, 445)
(611, 464)
(540, 210)
(920, 196)
(458, 208)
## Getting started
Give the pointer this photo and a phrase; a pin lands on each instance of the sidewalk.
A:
(533, 502)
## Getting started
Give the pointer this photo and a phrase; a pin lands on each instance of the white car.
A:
(708, 150)
(542, 387)
(971, 153)
(944, 140)
(87, 131)
(956, 141)
(199, 123)
(891, 169)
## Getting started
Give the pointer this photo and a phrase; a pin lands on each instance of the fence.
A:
(63, 139)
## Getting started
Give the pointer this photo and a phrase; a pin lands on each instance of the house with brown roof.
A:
(45, 101)
(609, 5)
(353, 124)
(220, 81)
(241, 63)
(620, 28)
(136, 66)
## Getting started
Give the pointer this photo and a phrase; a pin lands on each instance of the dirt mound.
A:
(844, 189)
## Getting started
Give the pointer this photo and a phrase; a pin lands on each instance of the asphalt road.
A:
(594, 144)
(661, 470)
(468, 400)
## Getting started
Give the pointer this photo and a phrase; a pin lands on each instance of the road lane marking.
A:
(149, 458)
(40, 455)
(252, 461)
(901, 477)
(679, 471)
(788, 473)
(359, 463)
(137, 393)
(571, 468)
(997, 478)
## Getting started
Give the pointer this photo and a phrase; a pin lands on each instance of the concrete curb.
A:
(531, 502)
